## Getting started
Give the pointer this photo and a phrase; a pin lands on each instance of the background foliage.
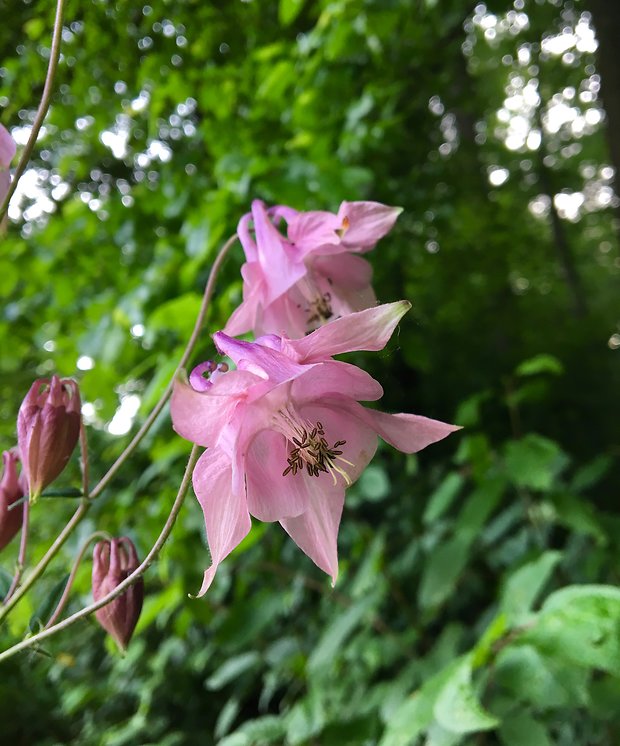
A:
(478, 599)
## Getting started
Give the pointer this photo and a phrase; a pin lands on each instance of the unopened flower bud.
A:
(12, 488)
(113, 561)
(48, 428)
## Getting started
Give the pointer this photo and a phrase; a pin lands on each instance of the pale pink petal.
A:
(409, 433)
(281, 264)
(316, 531)
(272, 496)
(336, 378)
(339, 425)
(344, 270)
(365, 330)
(225, 512)
(200, 416)
(309, 230)
(246, 238)
(244, 317)
(7, 148)
(285, 316)
(345, 280)
(367, 223)
(262, 361)
(284, 212)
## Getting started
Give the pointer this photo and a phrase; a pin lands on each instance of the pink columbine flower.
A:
(12, 488)
(48, 427)
(286, 435)
(294, 284)
(7, 153)
(113, 562)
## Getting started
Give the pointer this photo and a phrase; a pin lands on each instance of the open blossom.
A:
(48, 427)
(292, 284)
(12, 488)
(286, 435)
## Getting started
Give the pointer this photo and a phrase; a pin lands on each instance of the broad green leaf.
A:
(534, 461)
(524, 585)
(521, 729)
(458, 708)
(415, 714)
(580, 625)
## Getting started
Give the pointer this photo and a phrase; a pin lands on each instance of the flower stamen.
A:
(312, 451)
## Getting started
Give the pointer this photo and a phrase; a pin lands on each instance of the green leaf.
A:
(457, 708)
(46, 608)
(374, 484)
(525, 584)
(232, 669)
(580, 625)
(534, 461)
(178, 314)
(288, 10)
(415, 714)
(520, 729)
(337, 632)
(540, 364)
(441, 572)
(591, 473)
(441, 499)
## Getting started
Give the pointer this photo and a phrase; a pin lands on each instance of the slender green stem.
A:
(85, 504)
(47, 557)
(84, 459)
(130, 580)
(21, 557)
(105, 480)
(43, 106)
(80, 556)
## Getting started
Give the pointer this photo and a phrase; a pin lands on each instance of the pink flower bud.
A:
(48, 428)
(12, 488)
(113, 561)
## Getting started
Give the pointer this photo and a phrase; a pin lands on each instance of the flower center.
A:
(318, 305)
(309, 448)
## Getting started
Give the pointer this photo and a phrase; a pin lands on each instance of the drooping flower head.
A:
(12, 488)
(113, 562)
(293, 284)
(48, 427)
(286, 435)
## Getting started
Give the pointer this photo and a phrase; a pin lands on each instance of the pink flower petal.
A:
(345, 280)
(339, 425)
(275, 252)
(200, 416)
(309, 230)
(316, 531)
(272, 496)
(7, 148)
(336, 378)
(262, 361)
(225, 512)
(409, 433)
(244, 317)
(367, 223)
(365, 330)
